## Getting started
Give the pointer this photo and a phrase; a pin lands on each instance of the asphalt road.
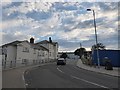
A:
(68, 76)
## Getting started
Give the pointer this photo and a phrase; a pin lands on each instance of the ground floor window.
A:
(24, 61)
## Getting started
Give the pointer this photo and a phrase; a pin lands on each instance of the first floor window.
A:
(34, 51)
(25, 49)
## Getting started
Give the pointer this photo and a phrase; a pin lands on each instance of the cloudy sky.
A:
(68, 23)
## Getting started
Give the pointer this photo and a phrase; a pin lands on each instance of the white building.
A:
(70, 55)
(52, 47)
(21, 53)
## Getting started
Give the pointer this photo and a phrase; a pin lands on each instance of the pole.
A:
(80, 45)
(96, 40)
(79, 51)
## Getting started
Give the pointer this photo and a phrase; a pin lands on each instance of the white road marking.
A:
(89, 82)
(24, 79)
(84, 80)
(60, 70)
(26, 84)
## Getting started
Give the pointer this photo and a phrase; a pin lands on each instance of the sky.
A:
(66, 22)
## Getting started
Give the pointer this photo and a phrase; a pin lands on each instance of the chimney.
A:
(32, 40)
(50, 40)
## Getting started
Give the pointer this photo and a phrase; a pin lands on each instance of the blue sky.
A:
(68, 23)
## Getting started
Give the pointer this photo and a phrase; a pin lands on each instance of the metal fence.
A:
(19, 63)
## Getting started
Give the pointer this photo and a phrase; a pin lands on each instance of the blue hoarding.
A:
(113, 55)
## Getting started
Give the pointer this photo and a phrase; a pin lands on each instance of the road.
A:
(68, 76)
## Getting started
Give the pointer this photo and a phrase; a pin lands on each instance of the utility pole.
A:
(80, 45)
(80, 50)
(95, 37)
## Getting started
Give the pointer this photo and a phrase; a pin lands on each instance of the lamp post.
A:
(95, 37)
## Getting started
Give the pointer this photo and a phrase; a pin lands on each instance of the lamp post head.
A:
(89, 10)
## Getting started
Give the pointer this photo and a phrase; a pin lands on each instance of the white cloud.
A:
(84, 17)
(110, 15)
(64, 49)
(29, 7)
(9, 37)
(5, 3)
(53, 21)
(66, 25)
(10, 23)
(79, 34)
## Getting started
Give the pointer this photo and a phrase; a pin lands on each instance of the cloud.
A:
(67, 23)
(30, 6)
(5, 3)
(9, 37)
(39, 15)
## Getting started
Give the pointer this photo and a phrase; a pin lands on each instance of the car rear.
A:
(61, 61)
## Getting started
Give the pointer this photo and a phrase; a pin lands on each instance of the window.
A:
(5, 56)
(25, 49)
(43, 54)
(50, 54)
(34, 51)
(49, 46)
(39, 54)
(24, 61)
(4, 51)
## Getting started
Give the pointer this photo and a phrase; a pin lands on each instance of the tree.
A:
(64, 55)
(100, 46)
(80, 52)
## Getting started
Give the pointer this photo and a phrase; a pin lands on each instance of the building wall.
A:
(53, 50)
(33, 56)
(24, 54)
(46, 56)
(56, 51)
(72, 56)
(9, 56)
(11, 53)
(0, 50)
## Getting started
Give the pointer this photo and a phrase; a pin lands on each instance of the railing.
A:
(18, 63)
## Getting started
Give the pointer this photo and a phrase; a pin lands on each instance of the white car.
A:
(61, 61)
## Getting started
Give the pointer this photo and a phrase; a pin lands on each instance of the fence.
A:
(19, 63)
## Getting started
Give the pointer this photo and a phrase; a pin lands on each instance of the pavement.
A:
(114, 72)
(0, 79)
(14, 78)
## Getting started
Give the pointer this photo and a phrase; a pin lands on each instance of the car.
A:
(61, 61)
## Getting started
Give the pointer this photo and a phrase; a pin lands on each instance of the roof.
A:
(35, 46)
(14, 43)
(45, 41)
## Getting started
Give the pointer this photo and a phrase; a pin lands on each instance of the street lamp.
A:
(95, 36)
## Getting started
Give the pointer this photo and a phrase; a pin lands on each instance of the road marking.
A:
(89, 82)
(26, 84)
(60, 70)
(24, 79)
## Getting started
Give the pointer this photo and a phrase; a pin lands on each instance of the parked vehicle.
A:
(61, 61)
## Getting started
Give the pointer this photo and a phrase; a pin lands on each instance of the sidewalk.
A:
(14, 78)
(113, 72)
